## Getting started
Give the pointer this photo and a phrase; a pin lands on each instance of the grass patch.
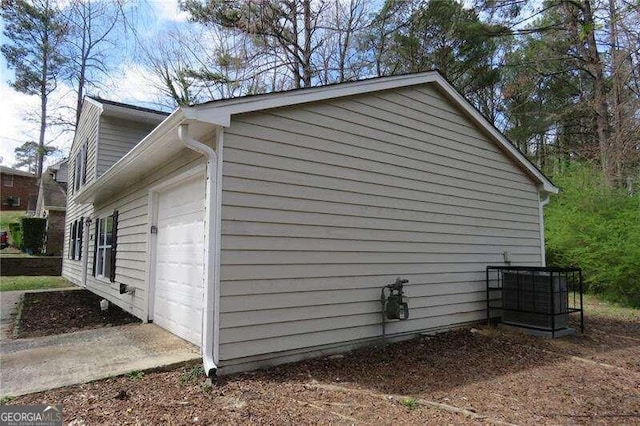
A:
(135, 375)
(9, 217)
(13, 252)
(410, 403)
(5, 399)
(32, 283)
(597, 305)
(190, 375)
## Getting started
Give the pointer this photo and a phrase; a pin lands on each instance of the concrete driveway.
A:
(42, 363)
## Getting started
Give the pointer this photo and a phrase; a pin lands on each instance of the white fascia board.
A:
(119, 111)
(93, 102)
(151, 141)
(219, 112)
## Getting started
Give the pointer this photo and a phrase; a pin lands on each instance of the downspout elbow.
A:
(207, 342)
(544, 201)
(189, 142)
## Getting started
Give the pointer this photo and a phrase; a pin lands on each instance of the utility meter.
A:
(394, 302)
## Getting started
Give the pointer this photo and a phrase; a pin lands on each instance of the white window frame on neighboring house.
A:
(104, 246)
(6, 181)
(14, 203)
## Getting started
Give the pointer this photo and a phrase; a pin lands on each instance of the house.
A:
(18, 189)
(262, 228)
(51, 205)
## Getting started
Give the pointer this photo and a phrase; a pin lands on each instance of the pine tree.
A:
(35, 32)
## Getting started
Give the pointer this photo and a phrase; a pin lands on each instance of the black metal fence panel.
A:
(537, 298)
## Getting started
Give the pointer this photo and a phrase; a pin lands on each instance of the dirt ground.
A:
(468, 376)
(59, 312)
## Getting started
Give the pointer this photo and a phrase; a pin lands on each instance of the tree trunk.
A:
(293, 10)
(81, 77)
(600, 103)
(308, 32)
(617, 127)
(43, 98)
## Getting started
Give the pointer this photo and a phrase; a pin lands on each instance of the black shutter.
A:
(95, 246)
(80, 236)
(114, 243)
(73, 239)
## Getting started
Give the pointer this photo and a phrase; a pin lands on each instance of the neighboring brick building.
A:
(52, 201)
(18, 189)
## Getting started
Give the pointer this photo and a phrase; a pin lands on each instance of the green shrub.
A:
(597, 228)
(15, 231)
(33, 233)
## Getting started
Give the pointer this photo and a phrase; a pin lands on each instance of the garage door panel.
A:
(180, 217)
(179, 265)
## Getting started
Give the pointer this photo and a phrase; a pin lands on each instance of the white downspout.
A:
(209, 326)
(86, 232)
(541, 203)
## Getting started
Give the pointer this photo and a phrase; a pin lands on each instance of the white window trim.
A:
(76, 253)
(5, 181)
(16, 202)
(100, 275)
(77, 242)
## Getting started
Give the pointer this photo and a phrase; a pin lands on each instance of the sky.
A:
(131, 84)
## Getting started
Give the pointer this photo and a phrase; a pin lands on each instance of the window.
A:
(7, 180)
(75, 239)
(12, 201)
(105, 248)
(80, 168)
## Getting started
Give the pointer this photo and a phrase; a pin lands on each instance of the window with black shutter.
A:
(75, 239)
(104, 264)
(80, 167)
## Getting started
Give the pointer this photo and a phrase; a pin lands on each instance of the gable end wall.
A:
(325, 203)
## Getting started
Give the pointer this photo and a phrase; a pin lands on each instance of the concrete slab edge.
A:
(157, 369)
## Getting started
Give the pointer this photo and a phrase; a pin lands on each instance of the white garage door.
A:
(178, 293)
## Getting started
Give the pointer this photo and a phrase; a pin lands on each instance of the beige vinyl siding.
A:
(325, 203)
(117, 137)
(133, 229)
(87, 132)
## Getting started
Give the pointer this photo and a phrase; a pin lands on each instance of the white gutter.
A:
(541, 203)
(211, 252)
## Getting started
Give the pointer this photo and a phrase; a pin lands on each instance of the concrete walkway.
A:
(42, 363)
(8, 306)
